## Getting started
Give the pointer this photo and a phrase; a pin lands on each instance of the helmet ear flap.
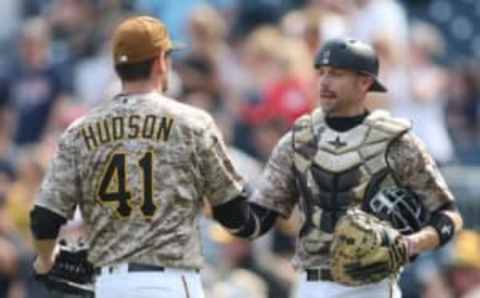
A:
(367, 81)
(400, 207)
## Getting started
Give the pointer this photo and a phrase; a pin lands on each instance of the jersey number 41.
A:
(113, 186)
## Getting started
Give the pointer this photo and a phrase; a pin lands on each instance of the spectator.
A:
(74, 28)
(383, 23)
(208, 32)
(19, 198)
(174, 13)
(289, 95)
(198, 74)
(33, 85)
(10, 257)
(278, 83)
(11, 17)
(252, 14)
(7, 176)
(463, 274)
(429, 86)
(463, 110)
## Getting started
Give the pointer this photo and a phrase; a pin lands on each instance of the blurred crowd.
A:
(250, 64)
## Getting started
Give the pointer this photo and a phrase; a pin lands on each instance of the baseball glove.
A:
(365, 250)
(71, 273)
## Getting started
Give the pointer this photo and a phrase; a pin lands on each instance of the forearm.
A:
(244, 219)
(456, 218)
(424, 240)
(429, 237)
(45, 249)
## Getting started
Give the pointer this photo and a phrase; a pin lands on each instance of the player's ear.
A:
(159, 65)
(163, 60)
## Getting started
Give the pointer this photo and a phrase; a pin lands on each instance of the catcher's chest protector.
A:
(337, 170)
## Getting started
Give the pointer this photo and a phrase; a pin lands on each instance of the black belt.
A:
(134, 267)
(319, 274)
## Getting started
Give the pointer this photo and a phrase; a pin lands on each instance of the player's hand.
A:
(42, 266)
(67, 271)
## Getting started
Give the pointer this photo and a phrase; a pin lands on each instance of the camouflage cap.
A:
(140, 38)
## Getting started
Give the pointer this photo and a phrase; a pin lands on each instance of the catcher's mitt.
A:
(365, 250)
(71, 273)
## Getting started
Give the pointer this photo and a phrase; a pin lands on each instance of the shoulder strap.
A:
(382, 120)
(307, 128)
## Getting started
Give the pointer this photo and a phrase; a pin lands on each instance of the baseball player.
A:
(138, 167)
(332, 161)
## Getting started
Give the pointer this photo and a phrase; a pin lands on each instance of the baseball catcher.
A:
(344, 156)
(71, 273)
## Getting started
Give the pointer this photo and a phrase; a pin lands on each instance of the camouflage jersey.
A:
(326, 172)
(138, 167)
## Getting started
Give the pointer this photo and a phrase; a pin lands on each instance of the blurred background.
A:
(249, 63)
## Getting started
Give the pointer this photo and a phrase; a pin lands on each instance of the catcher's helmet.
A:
(353, 55)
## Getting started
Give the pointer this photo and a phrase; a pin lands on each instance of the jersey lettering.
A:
(134, 126)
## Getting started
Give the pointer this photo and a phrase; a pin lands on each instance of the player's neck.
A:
(137, 87)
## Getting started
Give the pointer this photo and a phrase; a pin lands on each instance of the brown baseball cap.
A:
(140, 38)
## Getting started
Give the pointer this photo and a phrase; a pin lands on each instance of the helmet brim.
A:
(377, 86)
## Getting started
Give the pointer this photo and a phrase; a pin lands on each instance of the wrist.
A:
(42, 265)
(48, 258)
(444, 227)
(412, 247)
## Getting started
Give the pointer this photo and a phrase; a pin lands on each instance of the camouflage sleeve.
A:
(277, 189)
(221, 182)
(415, 168)
(60, 190)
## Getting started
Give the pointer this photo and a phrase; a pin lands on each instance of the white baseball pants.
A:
(328, 289)
(170, 283)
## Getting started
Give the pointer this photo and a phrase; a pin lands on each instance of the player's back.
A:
(140, 183)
